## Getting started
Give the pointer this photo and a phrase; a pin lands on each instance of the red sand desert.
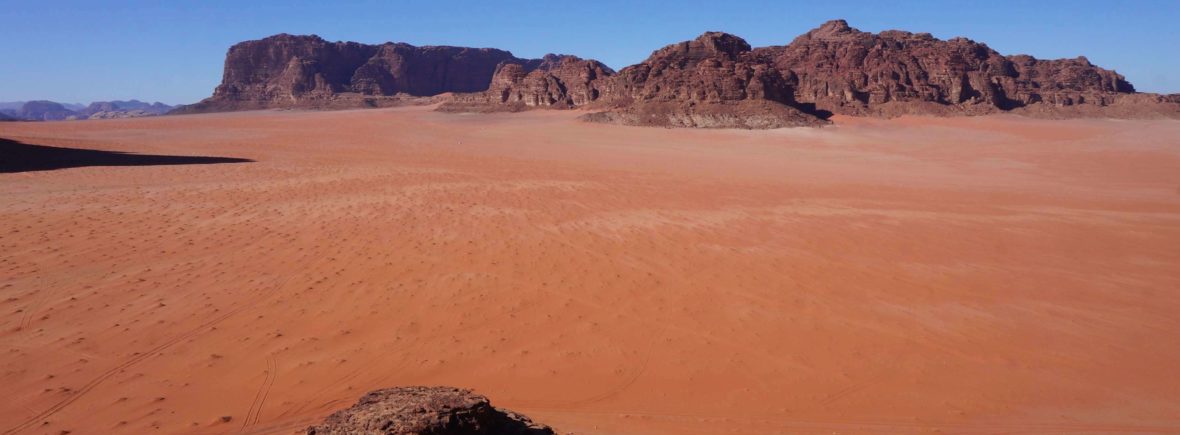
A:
(988, 274)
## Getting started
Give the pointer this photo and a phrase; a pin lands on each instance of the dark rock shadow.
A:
(811, 109)
(21, 157)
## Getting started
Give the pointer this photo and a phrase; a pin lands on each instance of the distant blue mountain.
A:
(54, 111)
(156, 108)
(45, 111)
(11, 105)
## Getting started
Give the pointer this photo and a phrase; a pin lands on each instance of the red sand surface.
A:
(993, 274)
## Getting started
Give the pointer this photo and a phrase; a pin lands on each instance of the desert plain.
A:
(991, 274)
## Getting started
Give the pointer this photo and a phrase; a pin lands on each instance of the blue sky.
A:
(172, 51)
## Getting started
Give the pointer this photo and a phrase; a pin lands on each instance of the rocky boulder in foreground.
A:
(426, 410)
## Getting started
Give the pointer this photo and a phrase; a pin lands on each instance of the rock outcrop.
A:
(715, 80)
(711, 81)
(554, 81)
(426, 410)
(120, 114)
(843, 70)
(284, 71)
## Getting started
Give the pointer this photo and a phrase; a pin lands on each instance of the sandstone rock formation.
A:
(712, 81)
(715, 80)
(572, 81)
(555, 81)
(307, 71)
(847, 71)
(426, 410)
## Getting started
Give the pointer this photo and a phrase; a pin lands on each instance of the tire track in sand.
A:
(268, 381)
(102, 377)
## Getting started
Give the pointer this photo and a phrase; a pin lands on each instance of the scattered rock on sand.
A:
(426, 410)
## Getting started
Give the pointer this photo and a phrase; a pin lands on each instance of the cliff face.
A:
(847, 71)
(426, 71)
(307, 71)
(715, 80)
(282, 68)
(557, 81)
(711, 68)
(712, 81)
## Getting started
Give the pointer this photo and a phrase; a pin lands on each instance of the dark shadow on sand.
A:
(21, 157)
(811, 109)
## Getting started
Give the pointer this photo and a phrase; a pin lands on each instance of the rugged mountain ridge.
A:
(847, 71)
(42, 110)
(117, 108)
(715, 80)
(711, 81)
(52, 111)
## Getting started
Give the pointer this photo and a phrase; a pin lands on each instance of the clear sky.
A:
(172, 51)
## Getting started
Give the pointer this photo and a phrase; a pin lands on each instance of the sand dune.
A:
(993, 274)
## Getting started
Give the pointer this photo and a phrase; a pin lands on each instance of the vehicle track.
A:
(98, 380)
(104, 376)
(849, 390)
(255, 412)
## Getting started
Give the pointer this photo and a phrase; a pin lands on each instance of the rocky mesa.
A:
(291, 71)
(715, 80)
